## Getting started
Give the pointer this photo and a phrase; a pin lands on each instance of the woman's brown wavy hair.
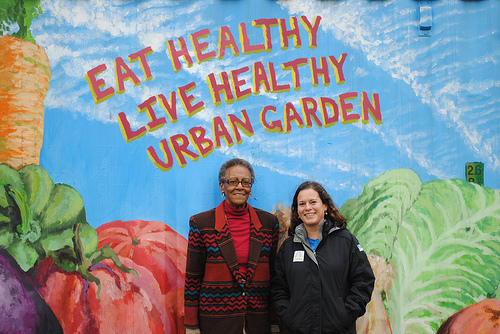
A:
(332, 213)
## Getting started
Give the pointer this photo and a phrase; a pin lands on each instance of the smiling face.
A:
(236, 196)
(310, 208)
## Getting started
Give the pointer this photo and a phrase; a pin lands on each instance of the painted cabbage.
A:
(442, 239)
(38, 218)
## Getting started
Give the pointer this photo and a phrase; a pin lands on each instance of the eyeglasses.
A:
(234, 182)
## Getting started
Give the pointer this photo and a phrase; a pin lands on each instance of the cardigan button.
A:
(243, 294)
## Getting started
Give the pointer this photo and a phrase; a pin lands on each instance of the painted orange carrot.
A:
(24, 82)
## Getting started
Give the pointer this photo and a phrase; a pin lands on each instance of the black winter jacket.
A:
(323, 291)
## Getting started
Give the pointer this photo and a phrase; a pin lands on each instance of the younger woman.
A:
(323, 278)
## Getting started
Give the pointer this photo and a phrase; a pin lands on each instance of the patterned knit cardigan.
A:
(217, 299)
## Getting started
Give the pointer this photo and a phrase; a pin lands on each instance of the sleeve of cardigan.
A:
(274, 247)
(195, 268)
(272, 260)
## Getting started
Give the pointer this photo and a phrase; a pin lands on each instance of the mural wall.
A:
(115, 117)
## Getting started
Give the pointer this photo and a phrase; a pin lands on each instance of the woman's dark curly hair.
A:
(332, 213)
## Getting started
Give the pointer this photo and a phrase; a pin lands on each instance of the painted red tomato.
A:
(155, 246)
(480, 318)
(126, 303)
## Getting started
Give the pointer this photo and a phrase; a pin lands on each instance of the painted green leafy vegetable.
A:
(375, 217)
(38, 218)
(442, 237)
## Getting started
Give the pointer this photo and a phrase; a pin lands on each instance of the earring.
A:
(222, 194)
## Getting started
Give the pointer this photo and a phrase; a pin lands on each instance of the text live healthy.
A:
(322, 111)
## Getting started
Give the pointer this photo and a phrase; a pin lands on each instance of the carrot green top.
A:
(21, 12)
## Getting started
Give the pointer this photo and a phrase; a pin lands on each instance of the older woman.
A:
(230, 257)
(323, 279)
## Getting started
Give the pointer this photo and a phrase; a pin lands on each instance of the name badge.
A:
(298, 256)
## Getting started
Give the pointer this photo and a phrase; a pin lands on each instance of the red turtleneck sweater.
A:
(239, 225)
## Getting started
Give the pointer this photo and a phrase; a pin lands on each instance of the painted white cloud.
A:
(380, 38)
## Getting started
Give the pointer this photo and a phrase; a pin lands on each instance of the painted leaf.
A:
(8, 178)
(60, 246)
(445, 254)
(24, 253)
(376, 215)
(65, 208)
(7, 236)
(38, 185)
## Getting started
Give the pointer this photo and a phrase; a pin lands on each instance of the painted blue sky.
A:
(439, 96)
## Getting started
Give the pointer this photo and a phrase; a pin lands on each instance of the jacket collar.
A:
(225, 242)
(325, 228)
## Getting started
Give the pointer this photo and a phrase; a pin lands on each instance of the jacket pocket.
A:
(290, 315)
(336, 318)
